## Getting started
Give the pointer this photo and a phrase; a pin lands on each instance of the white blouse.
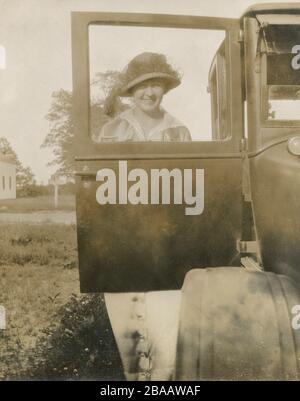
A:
(125, 128)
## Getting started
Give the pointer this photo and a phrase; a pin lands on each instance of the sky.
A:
(36, 35)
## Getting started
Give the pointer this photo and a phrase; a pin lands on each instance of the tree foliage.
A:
(61, 132)
(61, 119)
(105, 82)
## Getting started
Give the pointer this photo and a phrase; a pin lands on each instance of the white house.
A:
(7, 177)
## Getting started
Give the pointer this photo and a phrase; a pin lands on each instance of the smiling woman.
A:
(164, 58)
(146, 79)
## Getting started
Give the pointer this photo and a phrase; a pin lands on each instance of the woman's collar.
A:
(168, 121)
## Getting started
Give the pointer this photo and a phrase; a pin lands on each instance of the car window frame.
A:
(87, 149)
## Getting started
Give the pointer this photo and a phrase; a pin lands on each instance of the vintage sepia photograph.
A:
(149, 182)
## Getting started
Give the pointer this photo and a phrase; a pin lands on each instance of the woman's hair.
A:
(113, 105)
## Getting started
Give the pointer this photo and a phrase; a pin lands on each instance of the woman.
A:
(147, 78)
(145, 325)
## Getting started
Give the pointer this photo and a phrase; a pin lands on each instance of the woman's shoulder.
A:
(113, 130)
(184, 133)
(175, 130)
(177, 134)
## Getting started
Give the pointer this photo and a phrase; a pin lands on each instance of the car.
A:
(237, 258)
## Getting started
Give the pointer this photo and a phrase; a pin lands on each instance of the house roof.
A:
(276, 8)
(6, 158)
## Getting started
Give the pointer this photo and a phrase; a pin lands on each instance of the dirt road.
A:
(59, 217)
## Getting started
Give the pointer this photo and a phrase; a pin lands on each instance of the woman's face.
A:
(148, 95)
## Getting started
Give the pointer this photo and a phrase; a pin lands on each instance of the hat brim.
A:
(172, 82)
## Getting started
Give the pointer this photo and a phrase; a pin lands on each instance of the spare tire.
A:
(236, 324)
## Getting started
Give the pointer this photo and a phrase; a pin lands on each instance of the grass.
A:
(40, 245)
(31, 295)
(38, 275)
(38, 203)
(80, 346)
(52, 331)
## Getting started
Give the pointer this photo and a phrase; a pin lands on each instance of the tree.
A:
(105, 82)
(61, 133)
(61, 119)
(24, 175)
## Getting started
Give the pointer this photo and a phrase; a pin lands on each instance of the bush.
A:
(42, 190)
(33, 191)
(67, 189)
(82, 346)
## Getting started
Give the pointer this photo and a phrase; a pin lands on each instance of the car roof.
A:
(276, 8)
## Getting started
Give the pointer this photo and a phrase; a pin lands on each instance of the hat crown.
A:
(148, 62)
(147, 66)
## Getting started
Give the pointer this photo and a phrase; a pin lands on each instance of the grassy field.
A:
(38, 274)
(38, 203)
(52, 331)
(39, 245)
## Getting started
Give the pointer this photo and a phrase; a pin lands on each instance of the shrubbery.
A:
(34, 190)
(81, 346)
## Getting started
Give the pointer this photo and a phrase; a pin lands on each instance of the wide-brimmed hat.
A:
(147, 66)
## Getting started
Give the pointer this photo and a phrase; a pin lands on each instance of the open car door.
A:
(189, 214)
